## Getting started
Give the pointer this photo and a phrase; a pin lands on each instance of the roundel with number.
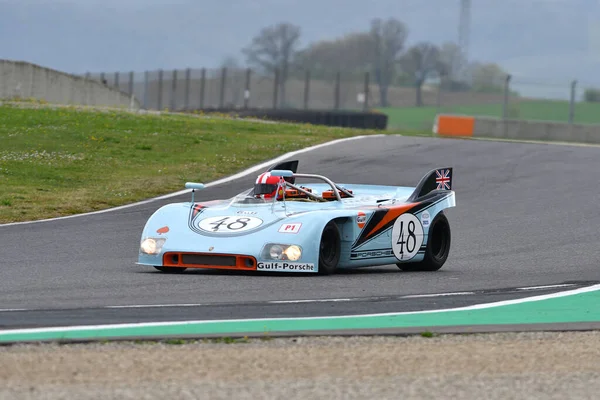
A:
(407, 237)
(229, 224)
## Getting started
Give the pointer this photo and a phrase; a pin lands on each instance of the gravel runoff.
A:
(484, 366)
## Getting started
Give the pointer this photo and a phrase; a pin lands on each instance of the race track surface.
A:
(526, 215)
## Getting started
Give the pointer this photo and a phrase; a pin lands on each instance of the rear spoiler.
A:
(435, 181)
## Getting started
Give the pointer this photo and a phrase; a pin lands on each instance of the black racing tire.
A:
(329, 249)
(170, 270)
(438, 247)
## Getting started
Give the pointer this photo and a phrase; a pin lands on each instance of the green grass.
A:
(61, 161)
(421, 118)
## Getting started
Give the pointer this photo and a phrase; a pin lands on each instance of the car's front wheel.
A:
(329, 249)
(170, 270)
(438, 247)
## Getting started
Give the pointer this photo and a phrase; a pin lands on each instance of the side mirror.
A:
(194, 186)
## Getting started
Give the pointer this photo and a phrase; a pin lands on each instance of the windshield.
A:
(246, 198)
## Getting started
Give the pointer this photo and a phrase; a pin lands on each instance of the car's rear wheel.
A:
(170, 270)
(329, 249)
(438, 247)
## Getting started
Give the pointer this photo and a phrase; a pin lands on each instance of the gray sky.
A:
(545, 39)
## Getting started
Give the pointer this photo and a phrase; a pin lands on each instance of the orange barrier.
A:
(454, 125)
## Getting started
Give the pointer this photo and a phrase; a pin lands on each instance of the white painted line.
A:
(416, 296)
(12, 309)
(214, 183)
(159, 305)
(545, 287)
(263, 320)
(310, 301)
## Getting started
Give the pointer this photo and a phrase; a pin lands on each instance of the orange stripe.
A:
(455, 125)
(393, 213)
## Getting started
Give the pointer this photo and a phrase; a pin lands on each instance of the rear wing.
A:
(435, 181)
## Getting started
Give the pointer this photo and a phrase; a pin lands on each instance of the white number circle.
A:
(231, 224)
(407, 237)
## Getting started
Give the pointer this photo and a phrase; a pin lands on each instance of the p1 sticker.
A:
(407, 237)
(290, 228)
(425, 219)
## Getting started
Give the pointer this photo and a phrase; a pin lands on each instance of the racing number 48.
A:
(239, 223)
(411, 238)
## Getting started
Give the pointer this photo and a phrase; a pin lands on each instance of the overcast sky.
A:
(108, 35)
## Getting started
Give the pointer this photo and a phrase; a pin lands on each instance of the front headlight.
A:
(293, 252)
(276, 251)
(152, 245)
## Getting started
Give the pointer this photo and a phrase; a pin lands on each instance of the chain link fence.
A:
(508, 96)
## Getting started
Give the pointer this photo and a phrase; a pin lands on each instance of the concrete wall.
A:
(536, 130)
(25, 80)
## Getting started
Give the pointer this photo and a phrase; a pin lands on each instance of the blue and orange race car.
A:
(318, 226)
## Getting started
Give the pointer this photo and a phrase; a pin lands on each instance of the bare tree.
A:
(422, 61)
(487, 77)
(453, 59)
(388, 42)
(273, 49)
(351, 53)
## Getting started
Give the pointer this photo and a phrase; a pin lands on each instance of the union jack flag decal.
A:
(442, 178)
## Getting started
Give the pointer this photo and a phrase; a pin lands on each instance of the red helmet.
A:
(266, 185)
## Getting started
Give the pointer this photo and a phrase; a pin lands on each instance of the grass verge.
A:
(421, 118)
(57, 161)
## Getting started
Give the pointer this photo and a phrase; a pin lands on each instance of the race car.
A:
(282, 224)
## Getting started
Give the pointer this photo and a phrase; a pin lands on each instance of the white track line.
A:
(310, 301)
(545, 287)
(417, 296)
(299, 301)
(214, 183)
(266, 320)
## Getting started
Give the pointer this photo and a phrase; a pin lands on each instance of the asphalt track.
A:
(526, 216)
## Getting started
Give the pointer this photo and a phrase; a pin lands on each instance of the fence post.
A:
(160, 89)
(306, 88)
(174, 90)
(202, 86)
(572, 102)
(116, 82)
(337, 91)
(275, 88)
(222, 94)
(366, 103)
(187, 88)
(130, 83)
(146, 84)
(506, 94)
(439, 93)
(247, 91)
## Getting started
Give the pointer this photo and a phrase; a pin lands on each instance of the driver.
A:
(266, 186)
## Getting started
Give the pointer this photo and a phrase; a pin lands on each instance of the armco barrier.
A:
(446, 125)
(351, 119)
(24, 80)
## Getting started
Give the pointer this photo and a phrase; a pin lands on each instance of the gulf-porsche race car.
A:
(280, 225)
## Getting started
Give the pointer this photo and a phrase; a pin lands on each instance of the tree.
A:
(453, 65)
(488, 77)
(273, 49)
(422, 61)
(388, 42)
(351, 53)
